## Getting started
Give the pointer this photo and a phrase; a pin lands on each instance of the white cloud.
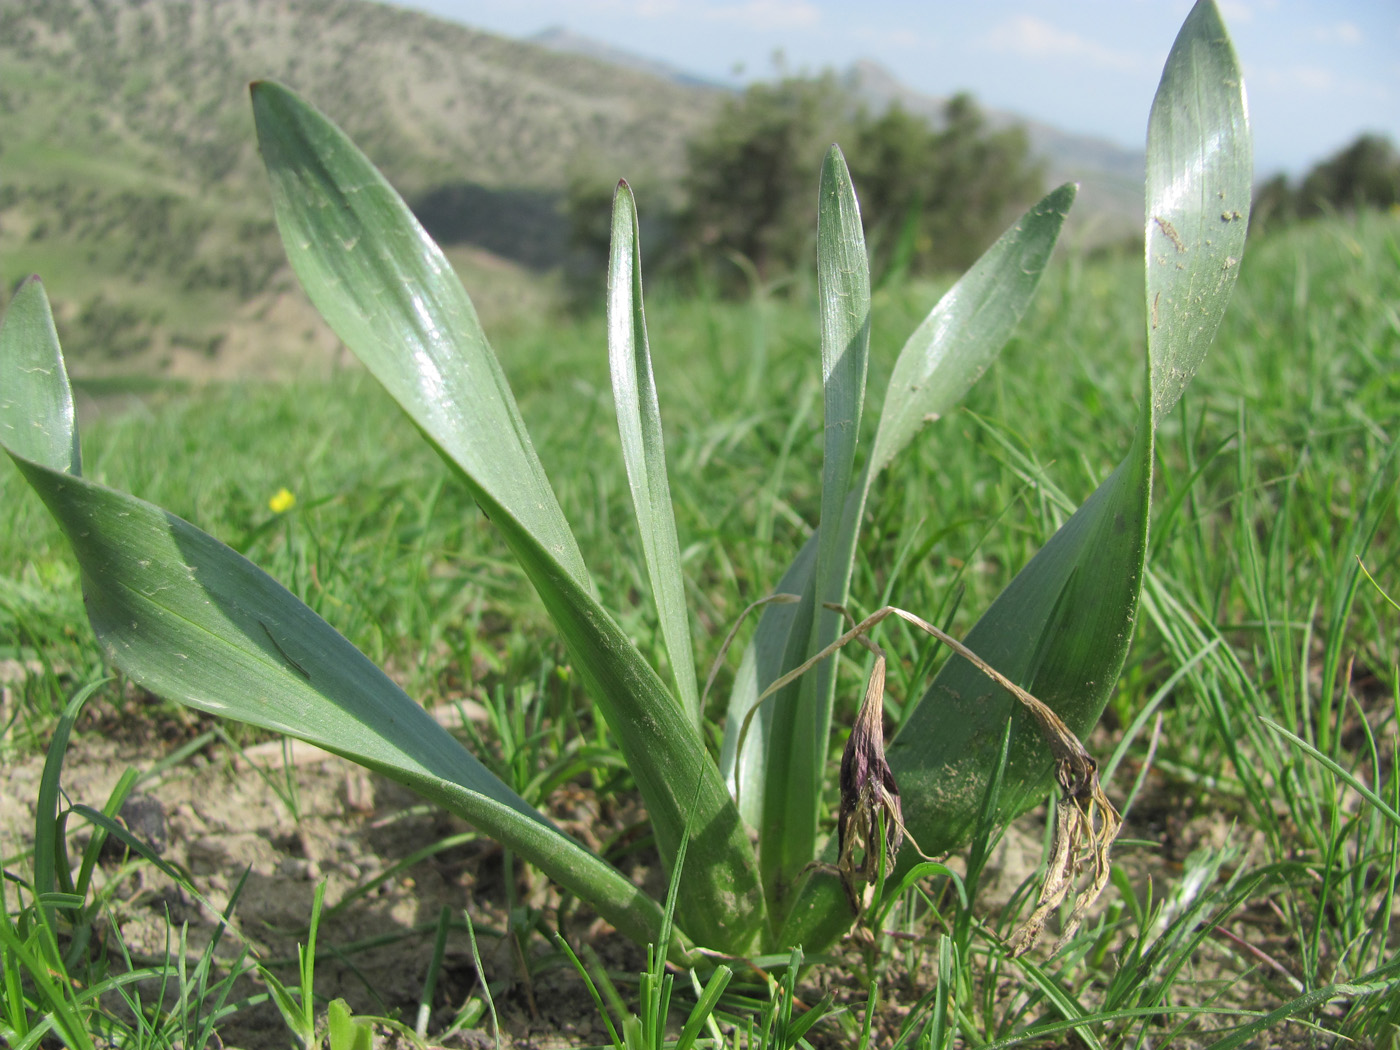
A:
(900, 39)
(1313, 78)
(1236, 12)
(1344, 32)
(752, 14)
(1316, 81)
(1035, 38)
(1348, 33)
(766, 14)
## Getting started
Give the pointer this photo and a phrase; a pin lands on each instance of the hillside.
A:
(1110, 177)
(129, 177)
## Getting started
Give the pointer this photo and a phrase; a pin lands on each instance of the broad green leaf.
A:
(192, 620)
(387, 290)
(1200, 171)
(36, 402)
(1062, 627)
(389, 294)
(961, 336)
(801, 717)
(643, 449)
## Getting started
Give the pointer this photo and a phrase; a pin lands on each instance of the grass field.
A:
(1250, 742)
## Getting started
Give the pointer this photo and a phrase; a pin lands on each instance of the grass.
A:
(1251, 740)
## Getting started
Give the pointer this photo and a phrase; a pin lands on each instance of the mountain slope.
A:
(129, 177)
(128, 170)
(1110, 202)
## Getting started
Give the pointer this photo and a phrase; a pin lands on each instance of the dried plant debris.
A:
(1085, 826)
(869, 795)
(1086, 822)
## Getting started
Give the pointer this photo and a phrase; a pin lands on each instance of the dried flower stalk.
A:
(1086, 822)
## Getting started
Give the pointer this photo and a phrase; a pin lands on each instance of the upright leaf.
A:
(391, 296)
(643, 449)
(941, 360)
(801, 718)
(388, 291)
(1200, 171)
(192, 620)
(962, 335)
(1062, 627)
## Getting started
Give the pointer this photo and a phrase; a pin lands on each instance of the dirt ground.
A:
(215, 815)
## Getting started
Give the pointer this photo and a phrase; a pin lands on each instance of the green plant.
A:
(191, 620)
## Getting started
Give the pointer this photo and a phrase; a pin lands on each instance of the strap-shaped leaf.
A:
(801, 715)
(36, 401)
(764, 662)
(390, 295)
(192, 620)
(938, 364)
(643, 448)
(1063, 626)
(962, 335)
(1200, 172)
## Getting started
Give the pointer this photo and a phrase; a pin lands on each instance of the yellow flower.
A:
(283, 501)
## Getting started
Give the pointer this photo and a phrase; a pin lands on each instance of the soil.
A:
(221, 812)
(215, 816)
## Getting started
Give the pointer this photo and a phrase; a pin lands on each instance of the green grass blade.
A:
(1063, 625)
(53, 992)
(48, 849)
(1200, 169)
(1336, 770)
(704, 1007)
(1382, 982)
(390, 295)
(643, 449)
(801, 717)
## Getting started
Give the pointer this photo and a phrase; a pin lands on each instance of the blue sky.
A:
(1318, 73)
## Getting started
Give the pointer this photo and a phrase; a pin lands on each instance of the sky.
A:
(1317, 73)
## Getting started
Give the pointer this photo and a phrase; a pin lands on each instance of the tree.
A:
(931, 198)
(935, 198)
(1365, 174)
(752, 177)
